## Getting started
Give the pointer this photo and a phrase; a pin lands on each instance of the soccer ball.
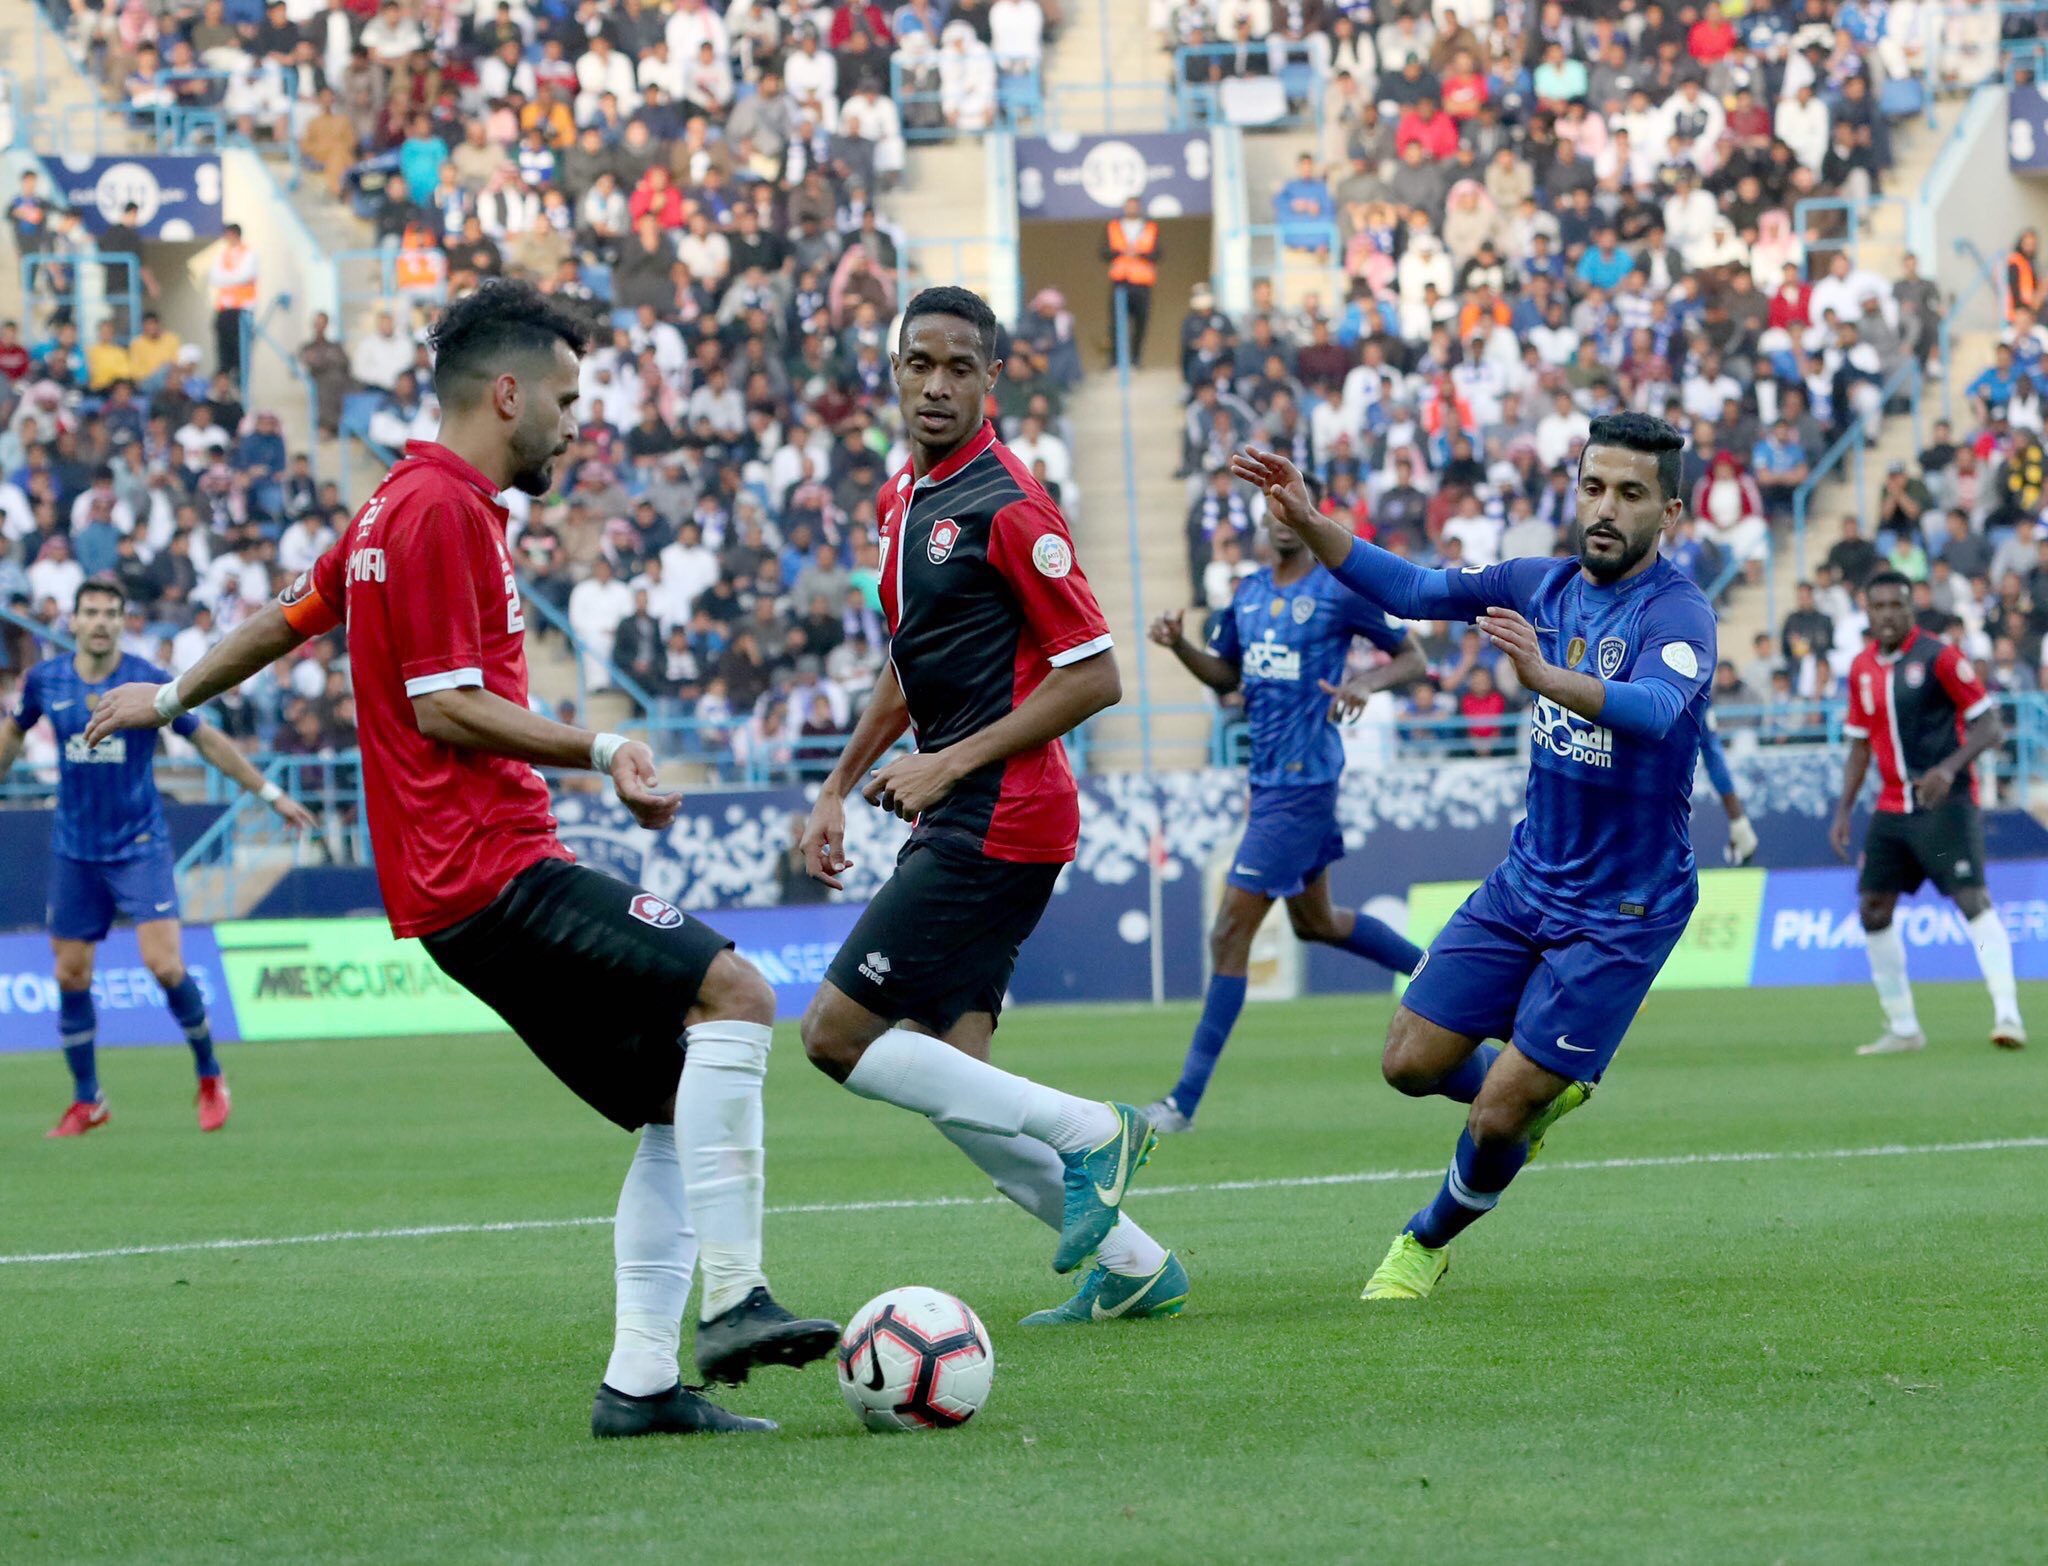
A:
(915, 1359)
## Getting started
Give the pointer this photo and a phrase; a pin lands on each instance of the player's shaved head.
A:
(1627, 494)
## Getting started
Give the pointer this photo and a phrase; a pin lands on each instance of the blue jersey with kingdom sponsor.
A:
(108, 808)
(1283, 641)
(1606, 835)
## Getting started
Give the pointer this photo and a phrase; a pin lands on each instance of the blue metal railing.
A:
(1860, 221)
(1019, 101)
(1200, 72)
(621, 682)
(1109, 106)
(1982, 279)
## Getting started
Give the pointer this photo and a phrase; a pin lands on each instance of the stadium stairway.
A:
(1101, 41)
(1880, 249)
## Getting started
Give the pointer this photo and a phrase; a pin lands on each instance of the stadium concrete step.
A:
(1105, 41)
(939, 215)
(1153, 502)
(1297, 275)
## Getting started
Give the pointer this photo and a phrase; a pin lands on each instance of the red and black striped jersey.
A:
(984, 597)
(1912, 706)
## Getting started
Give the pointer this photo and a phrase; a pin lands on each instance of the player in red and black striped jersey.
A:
(998, 650)
(645, 1013)
(1918, 707)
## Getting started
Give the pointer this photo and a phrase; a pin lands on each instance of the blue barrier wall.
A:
(25, 852)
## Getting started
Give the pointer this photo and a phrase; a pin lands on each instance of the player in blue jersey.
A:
(1284, 642)
(1556, 950)
(1742, 839)
(110, 854)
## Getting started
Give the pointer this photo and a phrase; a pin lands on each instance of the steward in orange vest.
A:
(1132, 251)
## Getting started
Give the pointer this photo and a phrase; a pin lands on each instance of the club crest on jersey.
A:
(1916, 675)
(1613, 650)
(1051, 556)
(649, 909)
(1304, 610)
(945, 534)
(1574, 650)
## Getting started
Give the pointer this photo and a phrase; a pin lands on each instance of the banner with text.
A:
(1078, 177)
(177, 197)
(128, 1000)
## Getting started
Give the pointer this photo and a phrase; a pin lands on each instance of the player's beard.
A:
(1612, 570)
(535, 458)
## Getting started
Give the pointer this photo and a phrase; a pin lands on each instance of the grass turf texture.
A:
(1801, 1360)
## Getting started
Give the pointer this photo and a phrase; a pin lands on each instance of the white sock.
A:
(718, 1121)
(1888, 973)
(654, 1250)
(1030, 1174)
(1994, 956)
(916, 1071)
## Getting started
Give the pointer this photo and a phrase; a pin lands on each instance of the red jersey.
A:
(983, 598)
(425, 585)
(1913, 706)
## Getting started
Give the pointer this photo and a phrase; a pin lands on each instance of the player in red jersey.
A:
(646, 1014)
(998, 648)
(1919, 708)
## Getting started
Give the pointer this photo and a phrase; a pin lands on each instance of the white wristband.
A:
(602, 749)
(270, 793)
(168, 706)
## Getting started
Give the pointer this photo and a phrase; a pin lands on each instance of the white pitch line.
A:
(925, 1203)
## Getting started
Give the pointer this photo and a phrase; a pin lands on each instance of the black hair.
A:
(98, 584)
(1641, 432)
(962, 302)
(502, 317)
(1887, 578)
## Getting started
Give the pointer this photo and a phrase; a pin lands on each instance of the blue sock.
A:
(1219, 1015)
(1379, 942)
(1471, 1186)
(76, 1025)
(1462, 1082)
(188, 1007)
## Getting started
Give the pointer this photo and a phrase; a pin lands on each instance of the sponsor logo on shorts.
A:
(874, 968)
(1564, 1042)
(649, 909)
(945, 534)
(1613, 652)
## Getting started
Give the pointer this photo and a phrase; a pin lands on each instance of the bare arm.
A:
(250, 647)
(881, 723)
(1853, 772)
(473, 718)
(1068, 696)
(10, 744)
(1219, 674)
(1348, 700)
(219, 752)
(1932, 787)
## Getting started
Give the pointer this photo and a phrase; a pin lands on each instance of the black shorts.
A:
(940, 939)
(1944, 845)
(595, 977)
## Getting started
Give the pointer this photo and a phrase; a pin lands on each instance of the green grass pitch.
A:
(1773, 1358)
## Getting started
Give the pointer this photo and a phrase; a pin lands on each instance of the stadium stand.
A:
(1469, 233)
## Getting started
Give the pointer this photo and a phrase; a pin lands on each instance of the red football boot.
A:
(80, 1118)
(214, 1103)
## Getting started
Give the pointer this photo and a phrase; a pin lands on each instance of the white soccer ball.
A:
(915, 1359)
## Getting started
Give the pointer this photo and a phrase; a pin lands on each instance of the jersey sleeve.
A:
(1414, 593)
(1029, 544)
(316, 601)
(1678, 647)
(1224, 640)
(28, 702)
(1374, 624)
(436, 634)
(1964, 685)
(1856, 722)
(1716, 759)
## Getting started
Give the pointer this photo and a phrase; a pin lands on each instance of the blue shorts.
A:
(1563, 989)
(1289, 840)
(87, 895)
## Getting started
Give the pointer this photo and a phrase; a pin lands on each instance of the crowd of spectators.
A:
(1519, 217)
(702, 182)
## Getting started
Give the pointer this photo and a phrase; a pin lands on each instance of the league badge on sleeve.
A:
(1051, 556)
(649, 909)
(1612, 654)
